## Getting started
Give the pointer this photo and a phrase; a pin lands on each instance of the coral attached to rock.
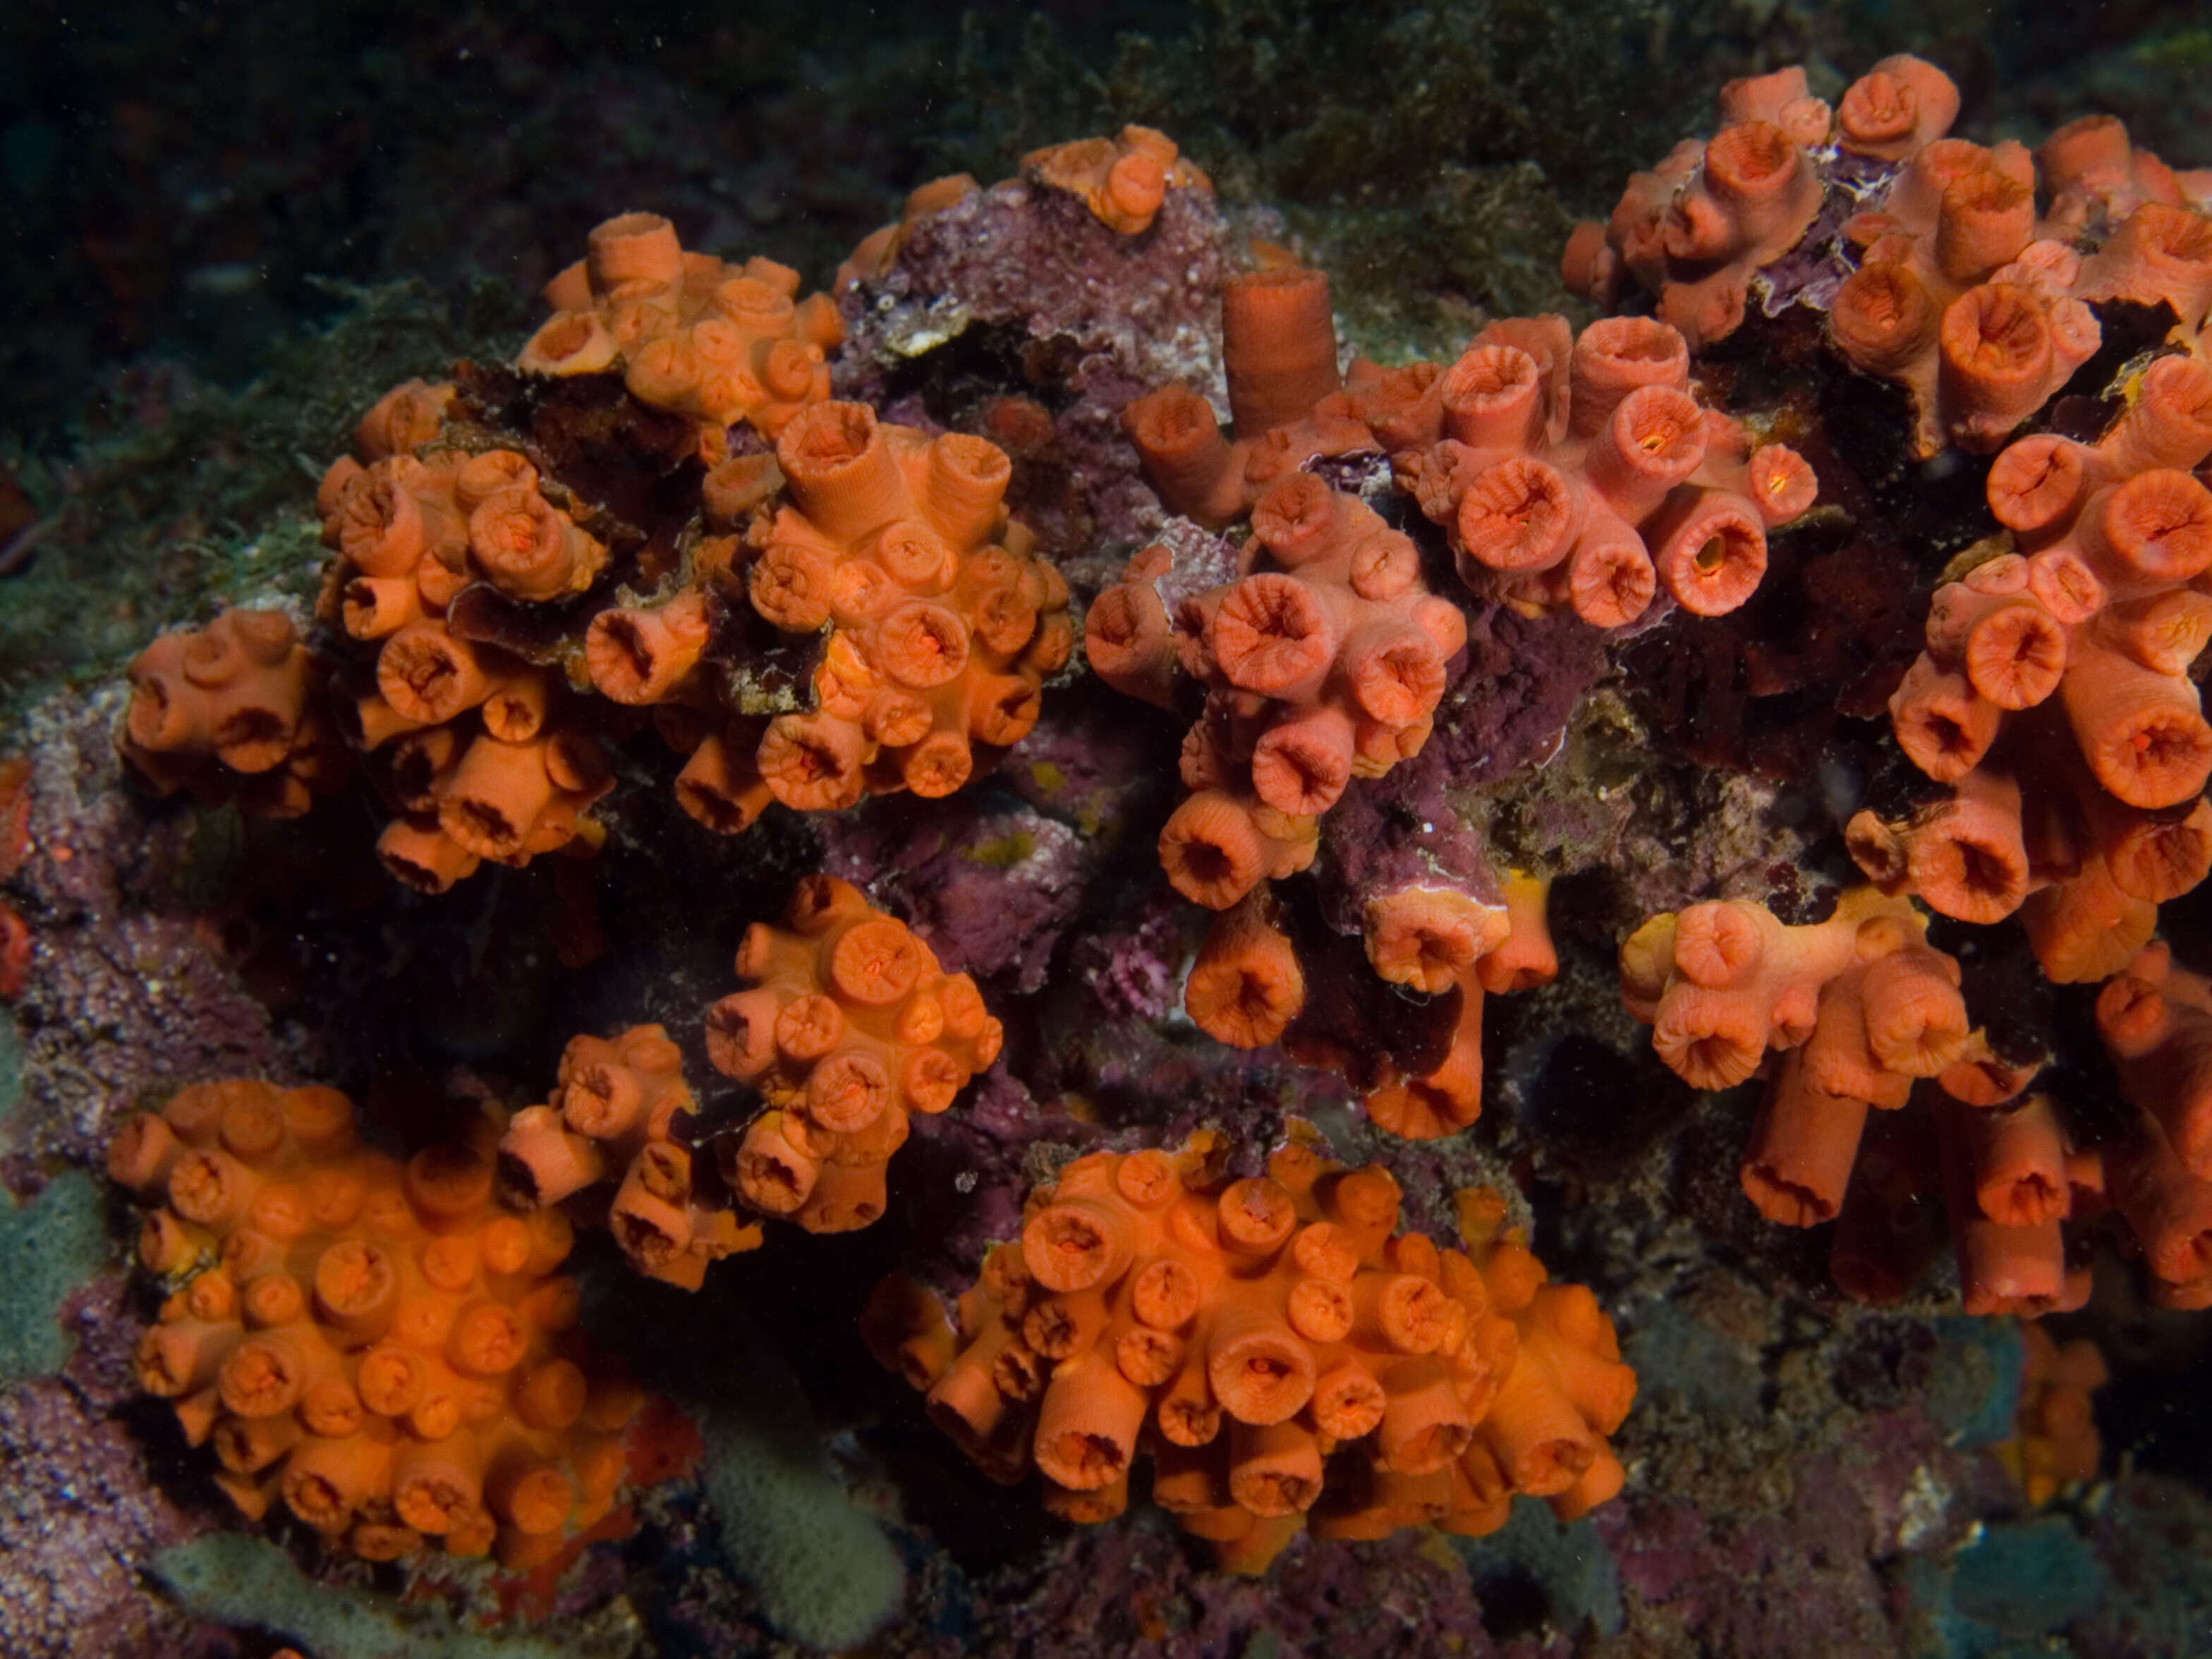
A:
(614, 1116)
(2054, 698)
(848, 1027)
(376, 1344)
(1285, 1357)
(721, 345)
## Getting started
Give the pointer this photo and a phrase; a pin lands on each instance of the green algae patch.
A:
(51, 1246)
(825, 1572)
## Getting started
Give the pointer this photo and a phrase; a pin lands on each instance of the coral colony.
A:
(710, 540)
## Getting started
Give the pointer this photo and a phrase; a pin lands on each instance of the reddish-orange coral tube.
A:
(1262, 1373)
(1521, 515)
(429, 677)
(1883, 319)
(638, 656)
(1246, 985)
(2142, 733)
(2018, 1162)
(1279, 341)
(1087, 1424)
(1212, 850)
(1902, 103)
(1612, 357)
(1943, 725)
(1803, 1149)
(1966, 858)
(1537, 1434)
(811, 762)
(1274, 1469)
(1184, 451)
(1995, 357)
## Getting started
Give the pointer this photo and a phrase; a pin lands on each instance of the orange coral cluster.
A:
(479, 756)
(1287, 403)
(2010, 1175)
(1864, 1008)
(2098, 180)
(1569, 472)
(486, 589)
(2054, 695)
(613, 1115)
(229, 713)
(1284, 1360)
(874, 255)
(849, 1025)
(1123, 180)
(1427, 939)
(1248, 988)
(1323, 661)
(717, 343)
(377, 1344)
(1586, 476)
(1696, 230)
(1861, 1006)
(2156, 1021)
(2054, 1442)
(1961, 293)
(1959, 300)
(942, 623)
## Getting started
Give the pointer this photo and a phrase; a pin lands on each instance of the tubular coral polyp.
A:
(1956, 299)
(722, 343)
(1476, 951)
(848, 1026)
(1284, 1357)
(2156, 1022)
(1123, 180)
(230, 712)
(474, 751)
(378, 1346)
(1863, 1009)
(2054, 1442)
(614, 1114)
(1862, 1005)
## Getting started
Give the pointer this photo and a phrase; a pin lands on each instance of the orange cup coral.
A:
(943, 625)
(1287, 1358)
(377, 1345)
(2054, 695)
(1696, 230)
(228, 713)
(849, 1025)
(613, 1116)
(2054, 1442)
(1123, 180)
(1322, 661)
(1862, 1007)
(719, 343)
(1860, 1002)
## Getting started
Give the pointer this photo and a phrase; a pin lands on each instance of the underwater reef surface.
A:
(1106, 832)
